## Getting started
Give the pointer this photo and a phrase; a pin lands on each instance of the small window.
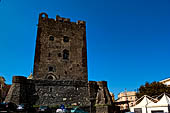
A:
(51, 38)
(51, 89)
(66, 72)
(49, 54)
(50, 69)
(65, 54)
(65, 39)
(59, 54)
(61, 20)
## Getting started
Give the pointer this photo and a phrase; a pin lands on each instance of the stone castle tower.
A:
(60, 70)
(60, 49)
(60, 66)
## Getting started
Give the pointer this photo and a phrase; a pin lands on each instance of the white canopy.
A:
(163, 102)
(142, 104)
(147, 104)
(162, 105)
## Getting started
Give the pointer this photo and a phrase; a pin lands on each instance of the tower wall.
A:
(60, 49)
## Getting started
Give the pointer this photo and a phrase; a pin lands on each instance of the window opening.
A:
(51, 38)
(66, 39)
(43, 16)
(50, 69)
(66, 72)
(51, 89)
(65, 54)
(59, 54)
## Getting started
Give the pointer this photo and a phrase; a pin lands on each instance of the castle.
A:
(60, 69)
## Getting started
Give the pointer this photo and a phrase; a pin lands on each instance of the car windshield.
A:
(21, 105)
(43, 107)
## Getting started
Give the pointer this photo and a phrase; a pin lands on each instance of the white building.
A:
(166, 81)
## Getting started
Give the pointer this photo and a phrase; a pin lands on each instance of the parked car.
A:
(77, 110)
(8, 107)
(44, 109)
(61, 110)
(30, 108)
(65, 110)
(3, 107)
(25, 107)
(21, 107)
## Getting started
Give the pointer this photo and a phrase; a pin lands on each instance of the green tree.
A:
(152, 89)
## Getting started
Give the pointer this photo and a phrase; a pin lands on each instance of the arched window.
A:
(65, 54)
(43, 15)
(51, 38)
(66, 39)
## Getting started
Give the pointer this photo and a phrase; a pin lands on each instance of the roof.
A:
(30, 76)
(163, 102)
(143, 101)
(165, 80)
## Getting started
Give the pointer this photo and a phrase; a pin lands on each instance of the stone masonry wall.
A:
(100, 99)
(46, 92)
(17, 93)
(60, 49)
(62, 92)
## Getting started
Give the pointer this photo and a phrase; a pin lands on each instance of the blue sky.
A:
(128, 40)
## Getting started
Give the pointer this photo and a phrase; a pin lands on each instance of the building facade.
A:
(126, 99)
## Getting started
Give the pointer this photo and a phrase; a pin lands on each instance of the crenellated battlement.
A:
(102, 83)
(44, 16)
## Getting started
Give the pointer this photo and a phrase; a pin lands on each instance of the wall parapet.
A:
(44, 16)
